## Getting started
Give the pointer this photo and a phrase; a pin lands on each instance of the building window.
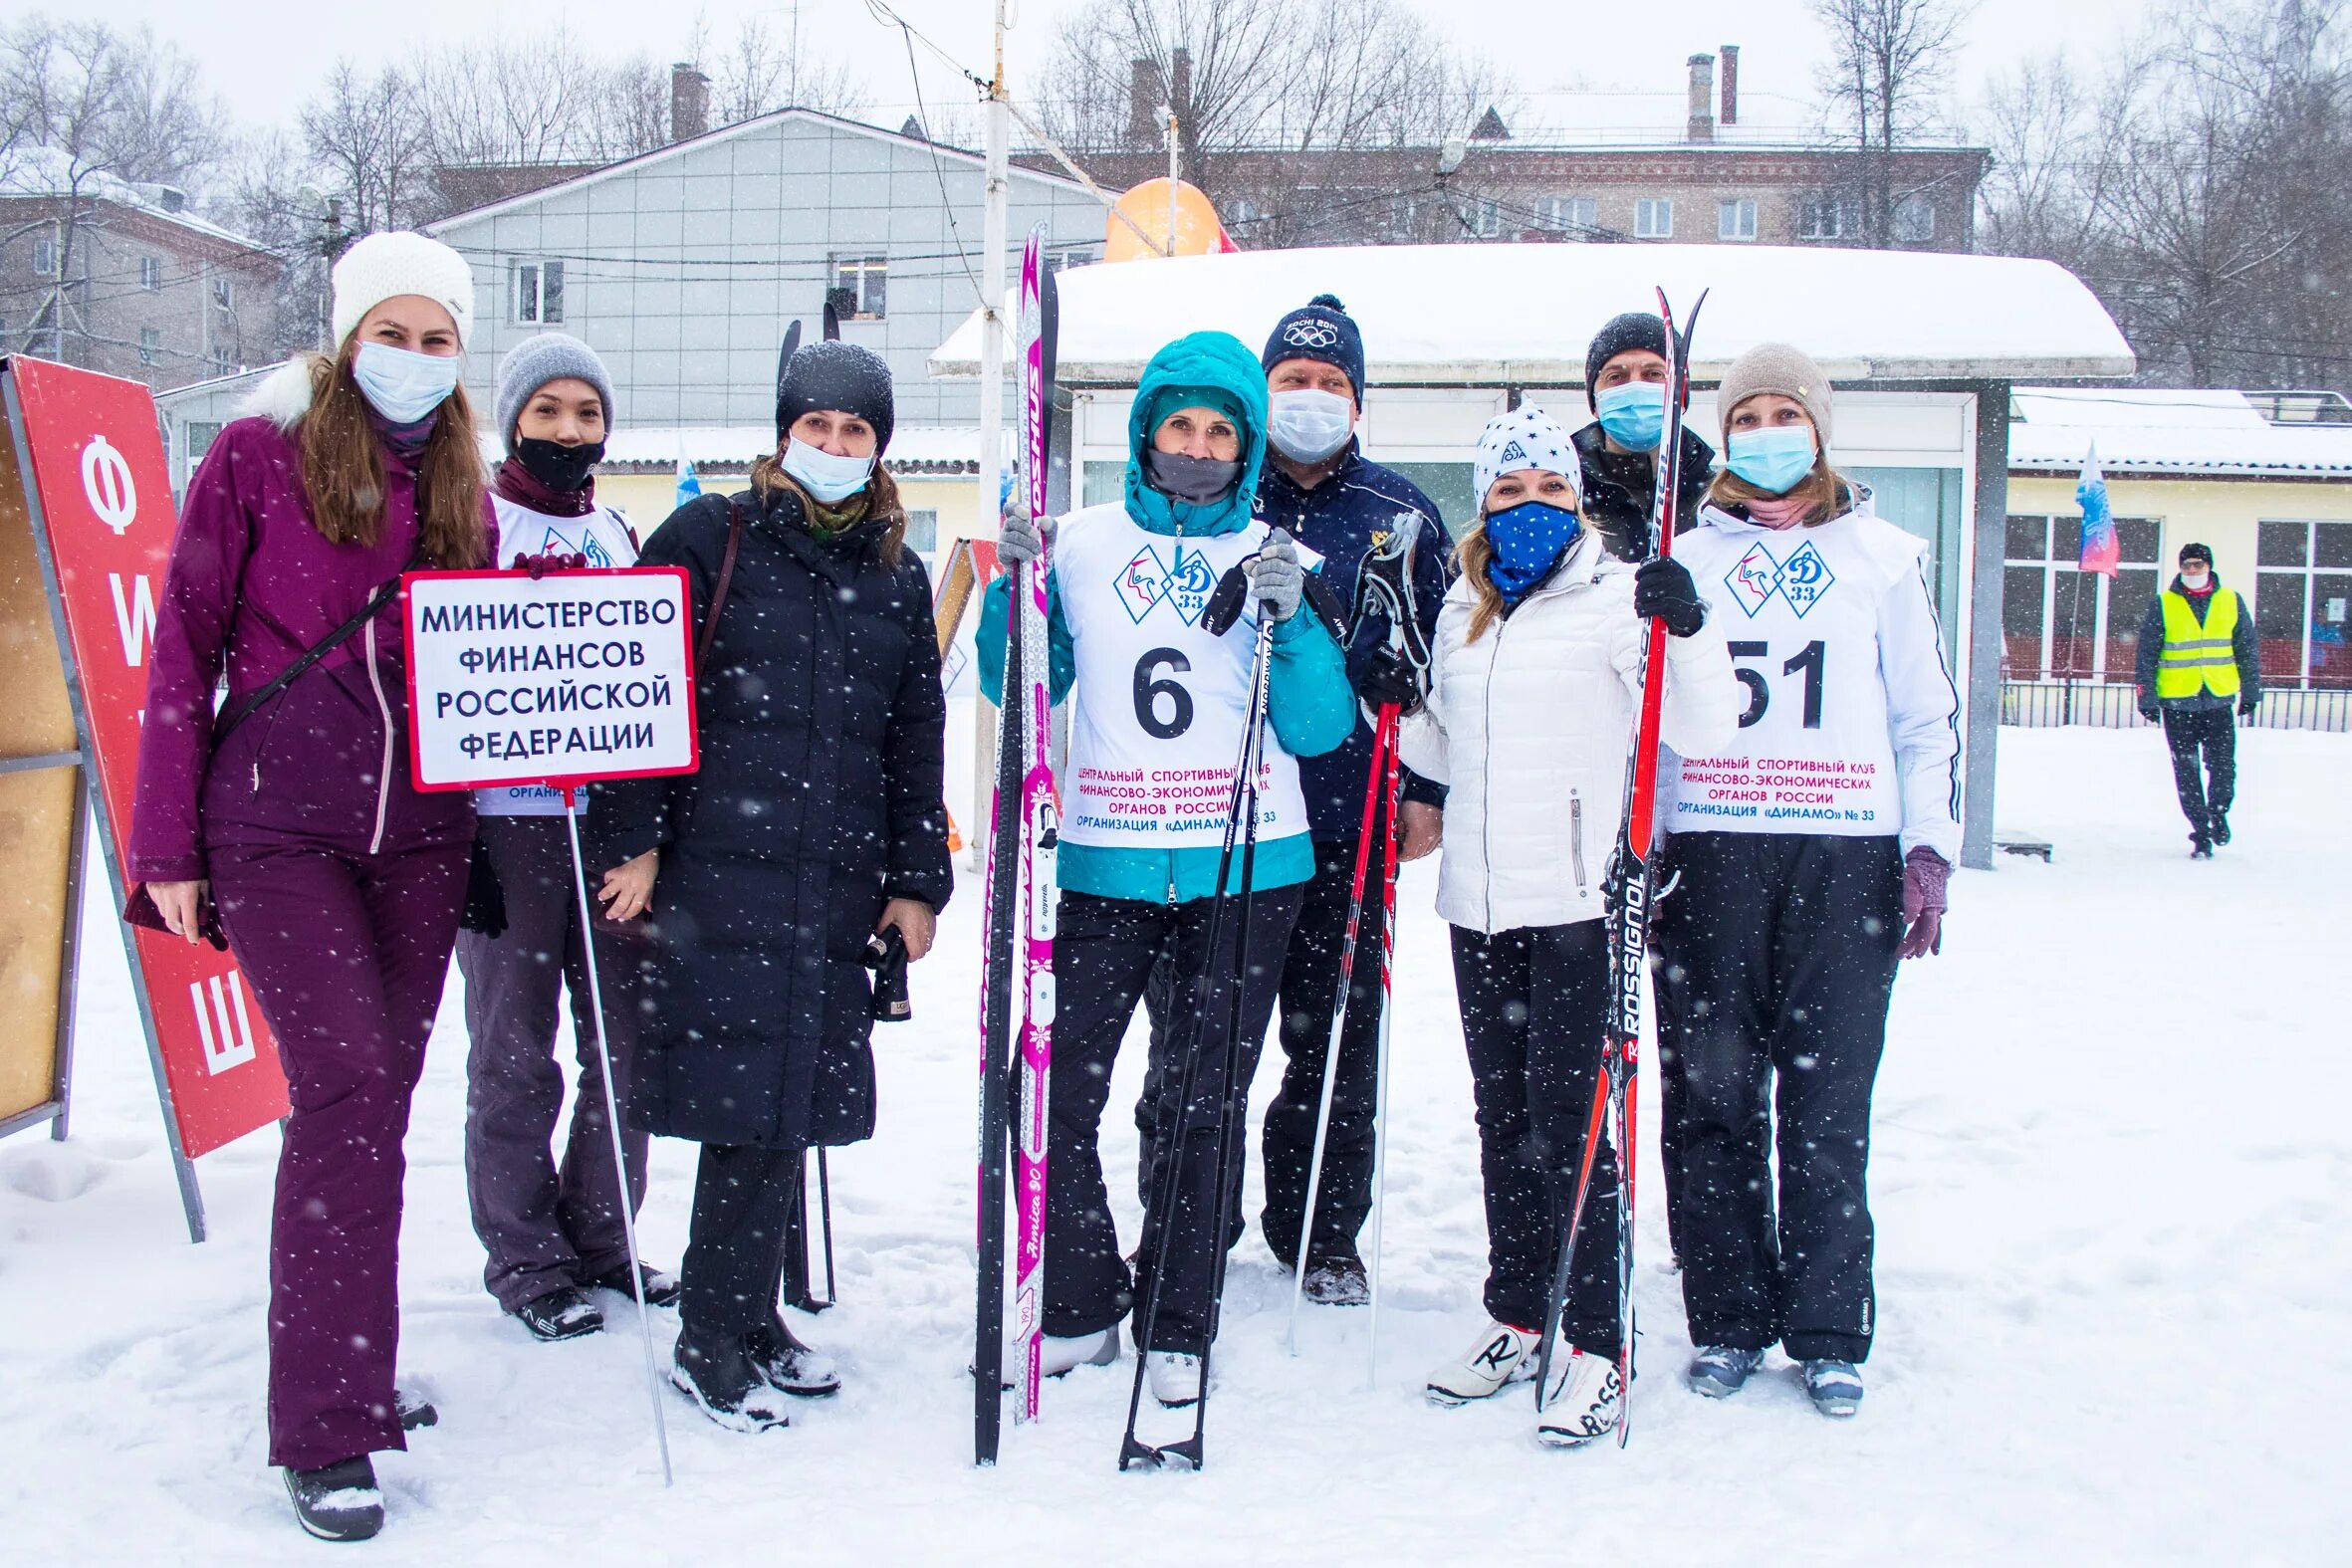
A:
(150, 274)
(1735, 218)
(1823, 218)
(538, 293)
(150, 343)
(2303, 603)
(1567, 214)
(225, 293)
(1653, 218)
(2061, 623)
(922, 530)
(860, 287)
(1915, 219)
(44, 258)
(1072, 256)
(1486, 219)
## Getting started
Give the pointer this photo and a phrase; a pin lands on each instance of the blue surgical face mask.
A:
(1772, 459)
(1634, 414)
(1529, 541)
(401, 386)
(832, 480)
(1307, 424)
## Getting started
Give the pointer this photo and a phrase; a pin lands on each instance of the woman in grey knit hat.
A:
(1808, 857)
(552, 1227)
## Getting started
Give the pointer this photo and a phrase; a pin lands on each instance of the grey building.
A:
(682, 266)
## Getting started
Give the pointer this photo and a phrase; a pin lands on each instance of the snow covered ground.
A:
(2113, 1184)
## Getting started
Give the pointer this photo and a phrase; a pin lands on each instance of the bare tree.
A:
(1889, 65)
(1349, 79)
(760, 70)
(373, 144)
(88, 113)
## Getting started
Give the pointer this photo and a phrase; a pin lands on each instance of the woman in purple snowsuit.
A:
(337, 884)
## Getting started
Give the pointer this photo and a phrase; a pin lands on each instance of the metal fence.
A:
(2037, 705)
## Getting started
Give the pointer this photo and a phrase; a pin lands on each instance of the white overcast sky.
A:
(264, 56)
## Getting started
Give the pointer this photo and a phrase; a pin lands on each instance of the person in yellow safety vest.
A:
(2198, 660)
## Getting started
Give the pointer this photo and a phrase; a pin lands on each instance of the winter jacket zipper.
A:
(384, 777)
(1486, 824)
(1577, 837)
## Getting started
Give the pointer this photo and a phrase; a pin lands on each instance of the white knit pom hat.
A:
(1527, 437)
(386, 266)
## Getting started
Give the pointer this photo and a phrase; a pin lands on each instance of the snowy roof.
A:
(1639, 118)
(49, 171)
(1523, 314)
(914, 449)
(2145, 430)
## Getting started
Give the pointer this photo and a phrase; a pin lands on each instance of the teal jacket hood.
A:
(1211, 368)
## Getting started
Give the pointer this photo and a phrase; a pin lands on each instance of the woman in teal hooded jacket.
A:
(1156, 708)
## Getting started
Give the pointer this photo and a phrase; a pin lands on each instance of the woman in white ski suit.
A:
(1535, 684)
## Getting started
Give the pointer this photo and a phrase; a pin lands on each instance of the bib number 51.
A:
(1811, 662)
(1152, 691)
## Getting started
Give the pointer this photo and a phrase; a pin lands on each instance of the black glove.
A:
(2247, 704)
(1389, 677)
(1663, 590)
(2149, 709)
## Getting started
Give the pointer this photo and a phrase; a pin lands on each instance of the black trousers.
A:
(2204, 743)
(745, 1196)
(1773, 965)
(1308, 989)
(1104, 951)
(1535, 1012)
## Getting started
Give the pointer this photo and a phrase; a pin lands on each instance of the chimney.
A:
(1143, 103)
(1180, 89)
(690, 102)
(1702, 127)
(1731, 84)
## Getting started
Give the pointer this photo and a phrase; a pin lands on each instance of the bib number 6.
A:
(1811, 662)
(1151, 688)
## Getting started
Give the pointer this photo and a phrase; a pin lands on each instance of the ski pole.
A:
(1168, 1141)
(1383, 743)
(629, 1220)
(824, 1215)
(1380, 1056)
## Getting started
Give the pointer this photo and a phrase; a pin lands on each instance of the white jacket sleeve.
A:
(1923, 712)
(1703, 700)
(1421, 738)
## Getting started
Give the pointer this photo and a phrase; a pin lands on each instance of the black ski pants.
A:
(1535, 1012)
(1105, 950)
(1772, 963)
(745, 1196)
(2204, 744)
(1309, 988)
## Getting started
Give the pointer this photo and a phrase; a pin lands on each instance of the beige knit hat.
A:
(384, 266)
(1776, 367)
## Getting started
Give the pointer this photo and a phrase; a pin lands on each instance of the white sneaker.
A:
(1501, 1355)
(1175, 1377)
(1583, 1400)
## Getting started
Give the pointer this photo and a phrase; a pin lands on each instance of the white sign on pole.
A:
(558, 680)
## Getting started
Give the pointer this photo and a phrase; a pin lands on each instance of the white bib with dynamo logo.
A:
(1155, 717)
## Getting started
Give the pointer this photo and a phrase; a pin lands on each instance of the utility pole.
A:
(1174, 173)
(996, 194)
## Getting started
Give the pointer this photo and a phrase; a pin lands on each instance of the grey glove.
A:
(1022, 539)
(1277, 577)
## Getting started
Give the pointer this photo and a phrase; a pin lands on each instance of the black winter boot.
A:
(339, 1502)
(780, 1358)
(718, 1374)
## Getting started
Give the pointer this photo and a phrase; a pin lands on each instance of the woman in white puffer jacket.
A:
(1533, 686)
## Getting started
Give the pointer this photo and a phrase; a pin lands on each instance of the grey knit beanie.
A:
(535, 362)
(1776, 367)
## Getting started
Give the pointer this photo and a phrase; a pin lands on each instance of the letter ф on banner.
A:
(84, 491)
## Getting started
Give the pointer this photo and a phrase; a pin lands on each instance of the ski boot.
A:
(1583, 1400)
(1834, 1385)
(1719, 1370)
(1500, 1356)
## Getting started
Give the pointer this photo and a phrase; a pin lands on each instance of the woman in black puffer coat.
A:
(814, 822)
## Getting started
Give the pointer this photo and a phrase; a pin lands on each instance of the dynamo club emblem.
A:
(1800, 580)
(591, 547)
(1145, 582)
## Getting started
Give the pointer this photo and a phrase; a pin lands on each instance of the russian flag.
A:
(2100, 547)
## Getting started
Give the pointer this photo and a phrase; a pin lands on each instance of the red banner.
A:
(100, 499)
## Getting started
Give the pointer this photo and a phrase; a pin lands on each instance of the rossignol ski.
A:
(1628, 895)
(1017, 957)
(1384, 587)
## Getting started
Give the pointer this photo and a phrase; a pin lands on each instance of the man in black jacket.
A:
(2198, 658)
(1626, 376)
